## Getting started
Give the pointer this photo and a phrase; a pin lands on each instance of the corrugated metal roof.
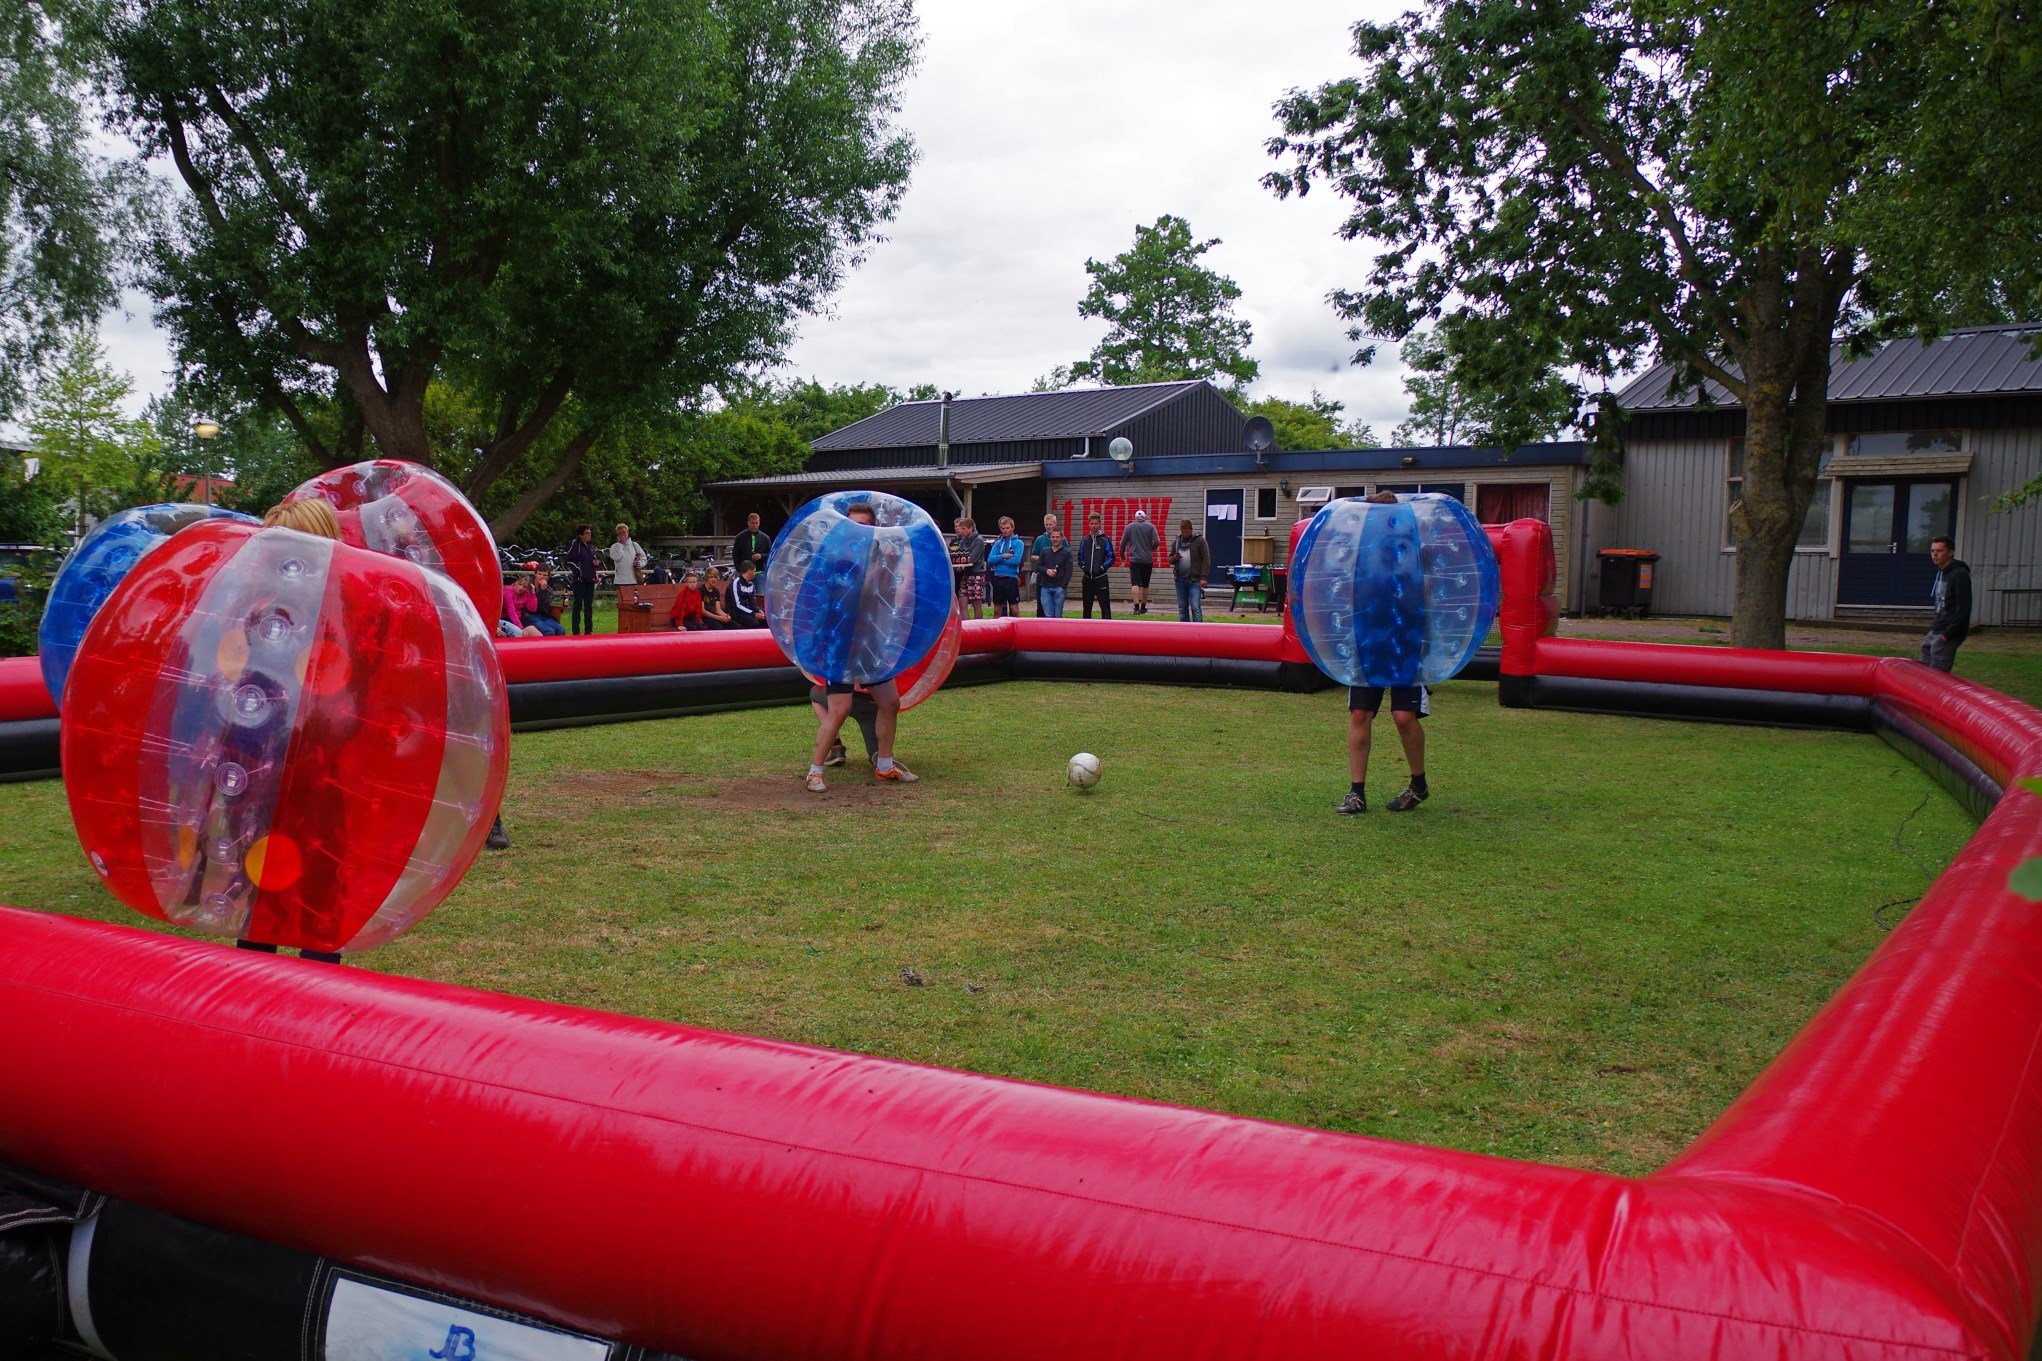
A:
(968, 474)
(1978, 361)
(1025, 416)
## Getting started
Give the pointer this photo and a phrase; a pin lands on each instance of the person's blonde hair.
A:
(306, 514)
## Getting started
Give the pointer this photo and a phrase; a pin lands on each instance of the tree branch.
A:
(1660, 205)
(507, 524)
(265, 168)
(512, 442)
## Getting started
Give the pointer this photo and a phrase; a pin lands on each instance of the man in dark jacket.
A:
(1951, 596)
(1052, 575)
(581, 558)
(1190, 560)
(1095, 555)
(752, 545)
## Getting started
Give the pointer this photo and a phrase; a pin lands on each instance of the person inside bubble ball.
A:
(1409, 704)
(310, 515)
(837, 707)
(307, 515)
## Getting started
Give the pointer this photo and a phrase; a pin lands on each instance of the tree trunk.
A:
(1786, 405)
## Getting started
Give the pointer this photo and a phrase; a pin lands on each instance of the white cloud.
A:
(1048, 129)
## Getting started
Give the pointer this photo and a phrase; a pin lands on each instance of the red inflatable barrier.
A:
(1876, 1193)
(1529, 609)
(22, 692)
(1811, 673)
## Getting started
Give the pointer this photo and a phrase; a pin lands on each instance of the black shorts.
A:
(1404, 699)
(840, 688)
(1138, 573)
(1006, 590)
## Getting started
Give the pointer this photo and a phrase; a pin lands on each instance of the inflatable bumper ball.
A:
(855, 603)
(409, 511)
(107, 553)
(280, 738)
(1393, 594)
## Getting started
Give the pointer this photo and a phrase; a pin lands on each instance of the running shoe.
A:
(900, 774)
(836, 756)
(1407, 800)
(1353, 803)
(815, 785)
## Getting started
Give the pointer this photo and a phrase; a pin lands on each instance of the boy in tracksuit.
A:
(1095, 556)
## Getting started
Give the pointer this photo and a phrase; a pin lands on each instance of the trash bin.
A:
(1626, 580)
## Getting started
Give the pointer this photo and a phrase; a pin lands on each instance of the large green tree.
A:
(580, 211)
(104, 459)
(1312, 424)
(62, 206)
(1169, 317)
(1449, 407)
(1729, 186)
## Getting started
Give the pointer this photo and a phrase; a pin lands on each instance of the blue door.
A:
(1223, 533)
(1887, 527)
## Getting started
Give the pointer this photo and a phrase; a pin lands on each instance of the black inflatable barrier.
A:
(28, 749)
(619, 699)
(1957, 773)
(36, 1215)
(1214, 672)
(1702, 703)
(154, 1287)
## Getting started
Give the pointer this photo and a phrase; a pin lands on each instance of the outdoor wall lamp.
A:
(1283, 485)
(1410, 460)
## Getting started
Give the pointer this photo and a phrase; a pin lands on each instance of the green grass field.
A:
(1595, 933)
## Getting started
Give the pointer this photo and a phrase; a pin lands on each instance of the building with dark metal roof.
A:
(1923, 437)
(1177, 418)
(992, 463)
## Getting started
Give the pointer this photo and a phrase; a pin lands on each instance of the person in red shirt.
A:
(687, 611)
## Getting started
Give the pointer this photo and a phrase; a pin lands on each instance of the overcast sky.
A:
(1048, 129)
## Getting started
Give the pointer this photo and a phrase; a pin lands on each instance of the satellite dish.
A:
(1258, 434)
(1122, 449)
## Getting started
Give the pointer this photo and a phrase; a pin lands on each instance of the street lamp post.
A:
(206, 429)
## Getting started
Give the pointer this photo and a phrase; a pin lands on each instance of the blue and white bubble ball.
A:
(1393, 594)
(107, 553)
(853, 603)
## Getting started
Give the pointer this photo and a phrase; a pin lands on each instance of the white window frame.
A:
(1828, 546)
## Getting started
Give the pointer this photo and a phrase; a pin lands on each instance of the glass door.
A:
(1887, 527)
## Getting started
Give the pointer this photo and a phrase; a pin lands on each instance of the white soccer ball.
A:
(1083, 771)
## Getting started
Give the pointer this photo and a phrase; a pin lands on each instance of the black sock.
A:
(1357, 790)
(1418, 783)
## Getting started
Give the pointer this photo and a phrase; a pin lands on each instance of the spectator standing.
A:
(627, 558)
(1095, 556)
(545, 612)
(581, 561)
(1138, 544)
(753, 545)
(1003, 563)
(1190, 560)
(714, 616)
(1951, 597)
(1053, 576)
(687, 611)
(968, 560)
(1050, 525)
(744, 598)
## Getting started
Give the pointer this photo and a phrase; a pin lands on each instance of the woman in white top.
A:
(627, 557)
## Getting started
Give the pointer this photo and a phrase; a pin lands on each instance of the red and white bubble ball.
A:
(407, 510)
(276, 737)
